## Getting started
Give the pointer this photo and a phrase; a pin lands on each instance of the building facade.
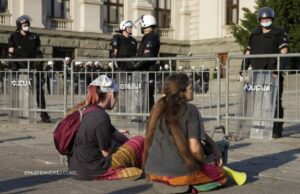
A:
(83, 28)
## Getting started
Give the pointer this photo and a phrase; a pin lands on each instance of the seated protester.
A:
(173, 153)
(94, 157)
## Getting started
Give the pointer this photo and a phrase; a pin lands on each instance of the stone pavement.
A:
(272, 166)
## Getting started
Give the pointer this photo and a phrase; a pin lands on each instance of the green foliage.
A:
(242, 32)
(287, 16)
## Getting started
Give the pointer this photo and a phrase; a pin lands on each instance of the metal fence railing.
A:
(137, 88)
(23, 91)
(231, 101)
(253, 96)
(64, 86)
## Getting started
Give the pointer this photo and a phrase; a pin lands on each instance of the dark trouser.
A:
(277, 126)
(48, 84)
(151, 90)
(2, 81)
(40, 94)
(151, 95)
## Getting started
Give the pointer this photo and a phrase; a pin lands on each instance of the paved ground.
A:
(272, 166)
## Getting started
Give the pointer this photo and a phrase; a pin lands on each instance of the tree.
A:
(287, 16)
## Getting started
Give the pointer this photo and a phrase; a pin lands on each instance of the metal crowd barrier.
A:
(21, 94)
(136, 86)
(66, 86)
(252, 95)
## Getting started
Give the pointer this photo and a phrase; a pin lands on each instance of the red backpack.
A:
(65, 131)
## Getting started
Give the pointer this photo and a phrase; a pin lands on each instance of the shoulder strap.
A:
(278, 31)
(86, 110)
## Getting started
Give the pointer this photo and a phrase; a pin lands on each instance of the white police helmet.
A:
(124, 24)
(147, 21)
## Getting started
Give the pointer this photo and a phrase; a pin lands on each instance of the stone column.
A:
(139, 8)
(32, 8)
(185, 14)
(90, 13)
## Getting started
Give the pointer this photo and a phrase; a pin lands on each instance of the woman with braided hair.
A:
(173, 150)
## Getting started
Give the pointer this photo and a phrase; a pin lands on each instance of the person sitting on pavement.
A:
(94, 156)
(173, 151)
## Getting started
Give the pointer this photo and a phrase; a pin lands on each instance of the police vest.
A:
(126, 47)
(265, 43)
(150, 42)
(24, 46)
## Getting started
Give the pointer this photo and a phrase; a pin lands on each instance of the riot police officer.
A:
(124, 45)
(148, 47)
(24, 44)
(150, 43)
(267, 39)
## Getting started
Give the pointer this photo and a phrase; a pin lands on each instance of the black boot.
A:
(277, 130)
(45, 117)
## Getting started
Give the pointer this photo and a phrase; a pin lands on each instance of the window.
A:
(223, 59)
(113, 11)
(3, 5)
(60, 8)
(232, 12)
(163, 13)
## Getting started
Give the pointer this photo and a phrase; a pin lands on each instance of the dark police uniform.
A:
(24, 47)
(27, 46)
(149, 47)
(126, 47)
(150, 42)
(269, 43)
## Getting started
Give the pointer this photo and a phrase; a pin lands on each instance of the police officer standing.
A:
(124, 45)
(24, 44)
(148, 47)
(267, 39)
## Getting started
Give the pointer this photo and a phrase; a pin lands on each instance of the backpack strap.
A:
(87, 110)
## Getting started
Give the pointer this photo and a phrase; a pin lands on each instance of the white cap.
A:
(180, 67)
(193, 67)
(97, 63)
(106, 84)
(89, 63)
(67, 58)
(50, 63)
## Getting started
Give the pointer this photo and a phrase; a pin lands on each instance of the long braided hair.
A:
(171, 106)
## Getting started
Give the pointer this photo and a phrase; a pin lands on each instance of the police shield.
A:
(258, 100)
(21, 87)
(133, 92)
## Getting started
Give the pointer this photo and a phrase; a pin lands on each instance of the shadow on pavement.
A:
(239, 145)
(253, 166)
(24, 191)
(133, 190)
(27, 181)
(17, 139)
(291, 130)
